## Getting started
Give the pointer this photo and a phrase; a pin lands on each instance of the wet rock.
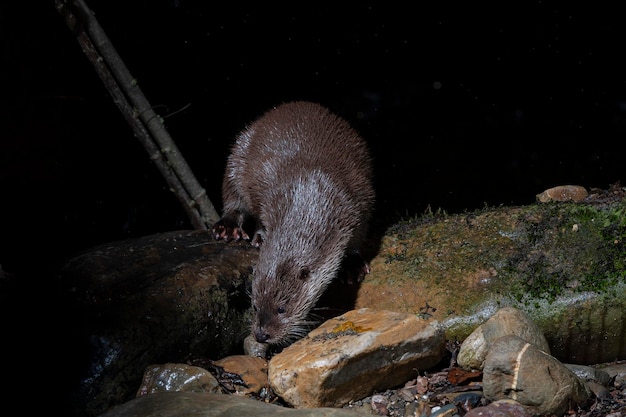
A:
(197, 404)
(253, 348)
(517, 370)
(505, 321)
(589, 373)
(617, 372)
(599, 390)
(500, 408)
(176, 377)
(353, 355)
(448, 410)
(467, 400)
(251, 369)
(157, 299)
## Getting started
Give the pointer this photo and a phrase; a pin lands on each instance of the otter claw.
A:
(227, 230)
(258, 238)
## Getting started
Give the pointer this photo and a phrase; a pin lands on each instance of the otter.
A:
(304, 177)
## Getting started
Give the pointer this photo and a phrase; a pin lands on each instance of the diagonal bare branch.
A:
(146, 124)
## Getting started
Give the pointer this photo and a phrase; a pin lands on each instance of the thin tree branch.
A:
(146, 124)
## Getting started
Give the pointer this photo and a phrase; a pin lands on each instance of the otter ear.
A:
(304, 273)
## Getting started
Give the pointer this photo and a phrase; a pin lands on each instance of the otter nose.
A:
(261, 335)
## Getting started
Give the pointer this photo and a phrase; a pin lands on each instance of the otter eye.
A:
(281, 310)
(304, 273)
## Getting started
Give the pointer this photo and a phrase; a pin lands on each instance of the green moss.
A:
(537, 252)
(564, 259)
(569, 247)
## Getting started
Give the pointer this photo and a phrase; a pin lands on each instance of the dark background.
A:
(462, 105)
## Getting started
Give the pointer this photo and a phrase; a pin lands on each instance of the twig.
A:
(146, 124)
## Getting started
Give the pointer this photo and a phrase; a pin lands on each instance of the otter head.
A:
(305, 240)
(283, 293)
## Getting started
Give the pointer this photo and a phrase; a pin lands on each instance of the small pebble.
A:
(379, 404)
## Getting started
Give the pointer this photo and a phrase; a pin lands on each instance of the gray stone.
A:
(176, 377)
(589, 373)
(505, 321)
(617, 372)
(518, 370)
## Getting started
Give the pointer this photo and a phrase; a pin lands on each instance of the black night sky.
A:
(462, 105)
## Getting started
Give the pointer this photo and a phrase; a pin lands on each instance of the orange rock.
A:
(563, 193)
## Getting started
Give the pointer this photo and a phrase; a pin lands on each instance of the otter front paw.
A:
(227, 230)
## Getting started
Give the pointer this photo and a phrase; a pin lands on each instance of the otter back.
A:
(304, 176)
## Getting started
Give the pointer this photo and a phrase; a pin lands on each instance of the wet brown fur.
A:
(304, 175)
